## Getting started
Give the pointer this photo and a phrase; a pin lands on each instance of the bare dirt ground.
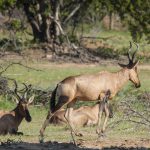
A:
(142, 144)
(41, 56)
(141, 67)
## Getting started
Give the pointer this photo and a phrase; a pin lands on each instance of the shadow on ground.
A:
(60, 146)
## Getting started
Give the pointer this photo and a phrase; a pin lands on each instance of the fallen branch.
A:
(90, 37)
(17, 63)
(133, 114)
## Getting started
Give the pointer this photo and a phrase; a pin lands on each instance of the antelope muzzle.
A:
(138, 85)
(28, 117)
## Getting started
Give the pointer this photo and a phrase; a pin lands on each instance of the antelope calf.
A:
(83, 116)
(91, 87)
(10, 120)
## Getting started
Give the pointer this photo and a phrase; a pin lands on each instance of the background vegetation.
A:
(65, 23)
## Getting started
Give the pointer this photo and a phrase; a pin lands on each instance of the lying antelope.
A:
(91, 87)
(83, 116)
(10, 121)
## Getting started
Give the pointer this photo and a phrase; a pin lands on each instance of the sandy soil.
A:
(142, 144)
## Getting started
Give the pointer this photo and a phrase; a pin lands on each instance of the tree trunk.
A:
(34, 24)
(111, 23)
(55, 31)
(40, 23)
(45, 25)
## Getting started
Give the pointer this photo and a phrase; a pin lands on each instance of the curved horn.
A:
(133, 56)
(16, 90)
(27, 88)
(128, 54)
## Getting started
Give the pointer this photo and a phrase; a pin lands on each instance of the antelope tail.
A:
(53, 100)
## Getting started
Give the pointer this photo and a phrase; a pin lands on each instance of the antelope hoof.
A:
(111, 115)
(41, 136)
(79, 134)
(19, 133)
(102, 135)
(41, 139)
(98, 131)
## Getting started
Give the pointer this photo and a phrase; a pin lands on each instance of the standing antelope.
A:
(91, 87)
(10, 121)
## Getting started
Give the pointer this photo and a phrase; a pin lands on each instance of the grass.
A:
(113, 43)
(62, 133)
(5, 104)
(120, 39)
(49, 75)
(47, 78)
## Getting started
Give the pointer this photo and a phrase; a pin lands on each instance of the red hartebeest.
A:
(10, 120)
(91, 87)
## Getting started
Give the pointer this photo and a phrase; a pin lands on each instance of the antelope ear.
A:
(31, 99)
(15, 99)
(122, 65)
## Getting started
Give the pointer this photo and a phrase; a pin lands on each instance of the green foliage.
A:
(5, 103)
(107, 53)
(6, 4)
(134, 13)
(15, 24)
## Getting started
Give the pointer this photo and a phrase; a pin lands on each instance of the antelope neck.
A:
(122, 77)
(17, 115)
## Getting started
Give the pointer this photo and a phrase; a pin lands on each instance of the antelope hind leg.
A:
(45, 124)
(61, 102)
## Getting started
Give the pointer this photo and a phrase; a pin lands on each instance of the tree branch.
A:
(72, 13)
(8, 66)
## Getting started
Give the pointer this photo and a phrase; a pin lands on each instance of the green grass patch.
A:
(48, 78)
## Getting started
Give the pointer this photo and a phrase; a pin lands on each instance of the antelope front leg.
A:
(101, 107)
(68, 118)
(107, 113)
(14, 132)
(19, 133)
